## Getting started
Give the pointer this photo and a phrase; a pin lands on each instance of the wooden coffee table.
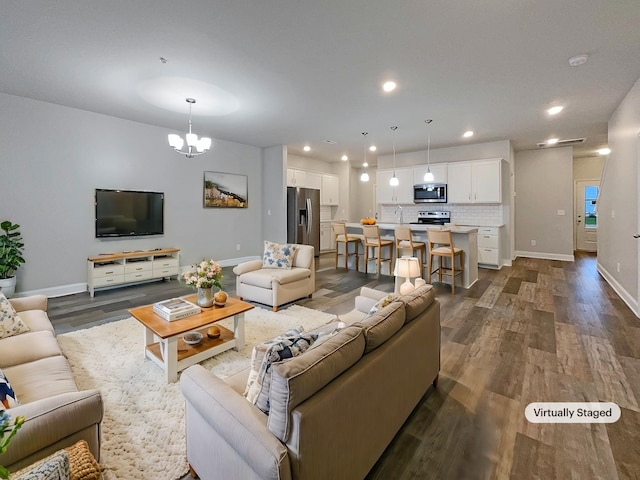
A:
(163, 339)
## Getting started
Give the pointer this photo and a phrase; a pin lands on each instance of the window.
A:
(590, 199)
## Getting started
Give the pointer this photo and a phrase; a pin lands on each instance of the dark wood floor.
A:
(538, 331)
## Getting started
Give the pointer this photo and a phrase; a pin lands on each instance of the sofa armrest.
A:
(33, 302)
(249, 266)
(364, 304)
(52, 419)
(239, 423)
(376, 295)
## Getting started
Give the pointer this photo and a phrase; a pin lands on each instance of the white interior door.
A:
(586, 229)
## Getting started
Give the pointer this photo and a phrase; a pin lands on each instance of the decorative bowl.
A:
(192, 338)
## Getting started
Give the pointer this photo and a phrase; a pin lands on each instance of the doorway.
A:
(586, 215)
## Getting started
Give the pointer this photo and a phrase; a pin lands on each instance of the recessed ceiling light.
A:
(344, 158)
(551, 141)
(389, 86)
(373, 148)
(365, 164)
(555, 110)
(307, 148)
(163, 60)
(578, 60)
(468, 133)
(604, 151)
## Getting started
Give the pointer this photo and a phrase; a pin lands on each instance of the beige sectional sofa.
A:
(333, 410)
(57, 413)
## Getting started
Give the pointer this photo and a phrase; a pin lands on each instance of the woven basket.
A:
(82, 465)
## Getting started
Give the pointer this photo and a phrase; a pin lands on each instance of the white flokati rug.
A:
(143, 425)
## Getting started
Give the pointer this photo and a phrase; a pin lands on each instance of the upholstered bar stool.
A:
(441, 245)
(404, 241)
(372, 240)
(342, 237)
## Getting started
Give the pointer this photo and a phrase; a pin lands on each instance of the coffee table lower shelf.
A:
(186, 351)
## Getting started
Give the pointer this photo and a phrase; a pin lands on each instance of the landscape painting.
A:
(225, 190)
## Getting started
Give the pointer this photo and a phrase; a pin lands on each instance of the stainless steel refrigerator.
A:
(303, 217)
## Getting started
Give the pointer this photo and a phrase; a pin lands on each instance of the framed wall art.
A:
(225, 190)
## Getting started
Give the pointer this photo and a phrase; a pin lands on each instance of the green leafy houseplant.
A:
(10, 249)
(7, 431)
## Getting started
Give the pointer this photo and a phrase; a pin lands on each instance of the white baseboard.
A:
(545, 256)
(626, 297)
(58, 291)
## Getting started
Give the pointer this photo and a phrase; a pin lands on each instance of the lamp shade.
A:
(407, 267)
(175, 141)
(428, 177)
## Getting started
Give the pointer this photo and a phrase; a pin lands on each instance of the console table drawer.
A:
(165, 263)
(138, 276)
(108, 280)
(100, 271)
(165, 272)
(136, 267)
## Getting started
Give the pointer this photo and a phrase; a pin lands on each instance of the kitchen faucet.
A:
(398, 207)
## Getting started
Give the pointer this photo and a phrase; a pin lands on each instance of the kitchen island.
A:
(463, 237)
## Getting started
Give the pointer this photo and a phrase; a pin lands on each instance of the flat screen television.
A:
(129, 213)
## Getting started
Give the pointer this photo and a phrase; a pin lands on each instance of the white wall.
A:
(274, 198)
(52, 159)
(544, 185)
(589, 168)
(618, 205)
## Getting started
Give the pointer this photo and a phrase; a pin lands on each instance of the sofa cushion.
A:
(53, 467)
(382, 325)
(8, 397)
(295, 380)
(36, 320)
(418, 301)
(41, 379)
(263, 278)
(278, 255)
(27, 347)
(10, 323)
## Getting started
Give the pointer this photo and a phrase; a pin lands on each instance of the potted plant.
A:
(10, 256)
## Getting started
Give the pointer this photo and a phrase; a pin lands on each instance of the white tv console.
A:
(124, 268)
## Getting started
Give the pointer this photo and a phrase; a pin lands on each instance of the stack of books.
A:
(175, 309)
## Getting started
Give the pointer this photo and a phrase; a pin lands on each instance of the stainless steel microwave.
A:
(430, 193)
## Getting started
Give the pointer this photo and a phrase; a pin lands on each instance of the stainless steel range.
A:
(433, 218)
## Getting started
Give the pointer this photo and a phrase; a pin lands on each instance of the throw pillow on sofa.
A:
(10, 322)
(383, 303)
(8, 397)
(283, 349)
(278, 255)
(257, 356)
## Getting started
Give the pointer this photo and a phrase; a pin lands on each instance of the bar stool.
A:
(341, 237)
(372, 240)
(404, 241)
(441, 245)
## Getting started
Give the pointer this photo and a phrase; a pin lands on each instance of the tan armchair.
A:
(277, 286)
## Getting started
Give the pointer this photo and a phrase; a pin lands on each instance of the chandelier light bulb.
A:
(195, 146)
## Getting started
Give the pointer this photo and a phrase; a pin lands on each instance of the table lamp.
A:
(407, 267)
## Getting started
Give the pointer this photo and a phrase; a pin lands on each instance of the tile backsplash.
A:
(477, 214)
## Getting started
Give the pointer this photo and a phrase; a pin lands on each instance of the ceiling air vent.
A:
(564, 143)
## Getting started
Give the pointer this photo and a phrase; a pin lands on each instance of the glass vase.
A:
(205, 297)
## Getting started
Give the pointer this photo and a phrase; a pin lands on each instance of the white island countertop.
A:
(421, 227)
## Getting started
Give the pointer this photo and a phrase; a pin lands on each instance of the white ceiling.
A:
(303, 71)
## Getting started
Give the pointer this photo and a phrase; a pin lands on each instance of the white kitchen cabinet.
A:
(326, 240)
(479, 181)
(296, 178)
(402, 194)
(489, 247)
(330, 191)
(439, 171)
(313, 180)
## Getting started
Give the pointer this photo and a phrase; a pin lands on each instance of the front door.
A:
(586, 230)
